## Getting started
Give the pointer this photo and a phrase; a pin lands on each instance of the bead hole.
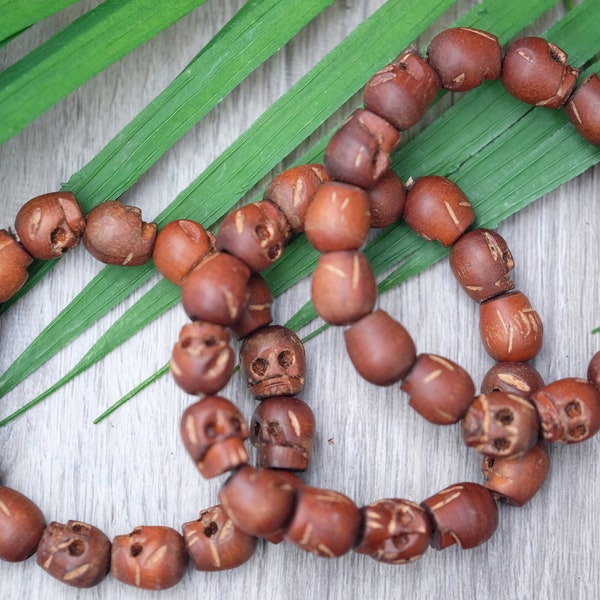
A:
(58, 238)
(76, 548)
(136, 550)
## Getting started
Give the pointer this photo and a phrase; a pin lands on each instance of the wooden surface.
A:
(132, 468)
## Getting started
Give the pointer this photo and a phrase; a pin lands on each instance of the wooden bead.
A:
(464, 514)
(343, 287)
(386, 199)
(593, 371)
(513, 377)
(14, 260)
(440, 390)
(256, 311)
(511, 331)
(583, 109)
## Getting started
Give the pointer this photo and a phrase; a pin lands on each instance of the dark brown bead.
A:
(583, 109)
(14, 260)
(21, 525)
(482, 263)
(259, 501)
(437, 209)
(593, 372)
(513, 377)
(517, 479)
(386, 199)
(214, 543)
(338, 217)
(465, 57)
(440, 390)
(282, 430)
(116, 235)
(273, 362)
(255, 233)
(77, 554)
(537, 72)
(256, 311)
(216, 290)
(179, 248)
(325, 522)
(380, 348)
(402, 91)
(395, 531)
(295, 482)
(213, 432)
(569, 410)
(343, 287)
(203, 360)
(359, 151)
(293, 190)
(50, 225)
(150, 558)
(464, 513)
(500, 424)
(511, 331)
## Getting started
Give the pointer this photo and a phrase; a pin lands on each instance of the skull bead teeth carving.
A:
(273, 362)
(213, 432)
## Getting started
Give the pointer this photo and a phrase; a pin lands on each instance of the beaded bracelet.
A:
(509, 422)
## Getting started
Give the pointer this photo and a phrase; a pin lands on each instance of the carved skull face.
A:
(500, 424)
(283, 431)
(213, 432)
(273, 362)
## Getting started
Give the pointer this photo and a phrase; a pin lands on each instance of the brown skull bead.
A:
(386, 199)
(593, 371)
(14, 260)
(273, 362)
(583, 109)
(500, 424)
(256, 311)
(569, 410)
(213, 432)
(77, 554)
(395, 531)
(282, 430)
(514, 377)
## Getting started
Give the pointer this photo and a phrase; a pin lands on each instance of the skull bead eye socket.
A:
(273, 429)
(573, 409)
(210, 430)
(236, 424)
(286, 359)
(76, 548)
(262, 232)
(504, 416)
(259, 367)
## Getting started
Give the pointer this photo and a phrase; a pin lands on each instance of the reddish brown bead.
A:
(482, 264)
(273, 362)
(569, 410)
(116, 235)
(359, 151)
(437, 209)
(583, 109)
(395, 531)
(14, 260)
(386, 200)
(343, 287)
(380, 348)
(256, 311)
(338, 218)
(537, 72)
(214, 543)
(513, 377)
(293, 190)
(213, 432)
(325, 522)
(282, 430)
(295, 482)
(255, 233)
(500, 424)
(50, 225)
(593, 372)
(517, 479)
(402, 91)
(259, 501)
(216, 290)
(440, 390)
(465, 57)
(150, 558)
(203, 360)
(77, 554)
(21, 525)
(511, 331)
(179, 248)
(465, 514)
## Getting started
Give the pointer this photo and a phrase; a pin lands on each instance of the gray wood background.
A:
(132, 468)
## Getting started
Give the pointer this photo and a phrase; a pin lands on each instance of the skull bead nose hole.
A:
(58, 237)
(400, 540)
(504, 416)
(210, 430)
(573, 409)
(256, 428)
(286, 358)
(76, 548)
(236, 424)
(211, 529)
(136, 550)
(259, 367)
(501, 444)
(262, 232)
(210, 341)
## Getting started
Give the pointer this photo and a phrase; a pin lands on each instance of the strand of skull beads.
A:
(509, 422)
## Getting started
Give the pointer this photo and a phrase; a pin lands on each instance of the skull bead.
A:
(213, 432)
(273, 362)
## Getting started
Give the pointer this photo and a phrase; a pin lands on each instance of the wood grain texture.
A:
(132, 469)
